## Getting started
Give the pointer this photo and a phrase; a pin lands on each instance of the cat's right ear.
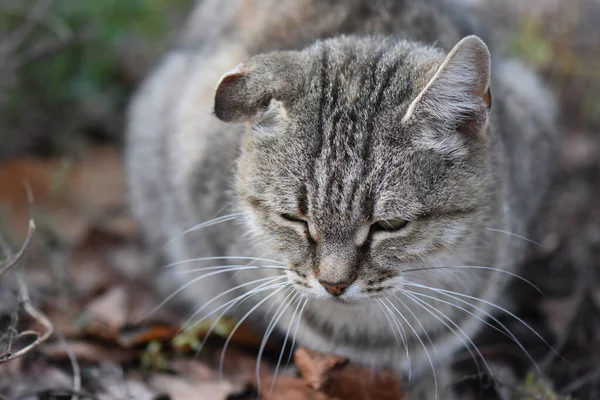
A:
(244, 93)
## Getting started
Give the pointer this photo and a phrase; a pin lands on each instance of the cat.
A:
(362, 182)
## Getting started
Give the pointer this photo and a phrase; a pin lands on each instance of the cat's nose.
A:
(334, 288)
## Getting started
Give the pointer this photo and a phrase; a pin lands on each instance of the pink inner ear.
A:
(238, 70)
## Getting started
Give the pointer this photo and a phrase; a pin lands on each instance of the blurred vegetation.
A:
(67, 66)
(564, 46)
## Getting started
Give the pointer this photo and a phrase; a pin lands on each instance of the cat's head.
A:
(364, 157)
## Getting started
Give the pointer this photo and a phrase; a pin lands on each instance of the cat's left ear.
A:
(245, 93)
(458, 97)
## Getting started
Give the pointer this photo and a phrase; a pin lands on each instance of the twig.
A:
(12, 261)
(37, 316)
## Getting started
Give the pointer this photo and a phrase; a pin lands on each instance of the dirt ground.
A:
(74, 318)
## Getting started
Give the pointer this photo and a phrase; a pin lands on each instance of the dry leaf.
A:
(290, 388)
(182, 389)
(109, 311)
(137, 335)
(315, 367)
(334, 376)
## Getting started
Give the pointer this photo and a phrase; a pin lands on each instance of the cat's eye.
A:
(298, 220)
(389, 225)
(292, 218)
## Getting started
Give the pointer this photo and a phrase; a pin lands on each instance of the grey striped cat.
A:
(358, 182)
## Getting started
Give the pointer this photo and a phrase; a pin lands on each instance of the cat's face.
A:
(349, 175)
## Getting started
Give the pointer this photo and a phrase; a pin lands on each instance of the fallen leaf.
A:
(182, 389)
(109, 312)
(315, 368)
(335, 377)
(132, 336)
(290, 388)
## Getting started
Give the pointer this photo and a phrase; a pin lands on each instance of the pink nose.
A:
(335, 289)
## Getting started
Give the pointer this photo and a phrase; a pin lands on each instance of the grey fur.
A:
(365, 126)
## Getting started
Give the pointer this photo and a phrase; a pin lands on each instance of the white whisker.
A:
(198, 311)
(270, 328)
(214, 221)
(229, 268)
(482, 268)
(515, 235)
(435, 382)
(188, 284)
(221, 258)
(431, 309)
(388, 312)
(222, 359)
(295, 332)
(443, 291)
(283, 346)
(507, 332)
(229, 305)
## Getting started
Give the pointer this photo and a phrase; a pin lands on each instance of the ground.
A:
(73, 316)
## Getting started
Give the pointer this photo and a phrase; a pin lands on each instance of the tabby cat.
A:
(361, 182)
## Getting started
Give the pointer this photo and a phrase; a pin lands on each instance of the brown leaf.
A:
(109, 311)
(137, 335)
(335, 377)
(182, 389)
(72, 194)
(315, 367)
(290, 388)
(193, 369)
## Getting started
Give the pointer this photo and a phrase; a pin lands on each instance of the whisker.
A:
(223, 269)
(283, 346)
(221, 258)
(506, 332)
(230, 268)
(229, 305)
(479, 267)
(515, 235)
(431, 309)
(388, 312)
(270, 328)
(214, 221)
(268, 281)
(435, 382)
(295, 332)
(494, 306)
(235, 328)
(416, 319)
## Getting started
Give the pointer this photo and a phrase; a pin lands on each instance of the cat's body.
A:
(350, 131)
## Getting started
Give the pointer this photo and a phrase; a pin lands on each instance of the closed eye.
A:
(292, 218)
(388, 225)
(299, 220)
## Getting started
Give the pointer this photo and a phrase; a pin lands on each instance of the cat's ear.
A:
(245, 93)
(458, 97)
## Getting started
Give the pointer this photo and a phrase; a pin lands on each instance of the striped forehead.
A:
(339, 187)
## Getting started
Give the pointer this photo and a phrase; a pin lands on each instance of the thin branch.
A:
(12, 261)
(37, 316)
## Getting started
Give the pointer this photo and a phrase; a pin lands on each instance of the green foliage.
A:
(87, 68)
